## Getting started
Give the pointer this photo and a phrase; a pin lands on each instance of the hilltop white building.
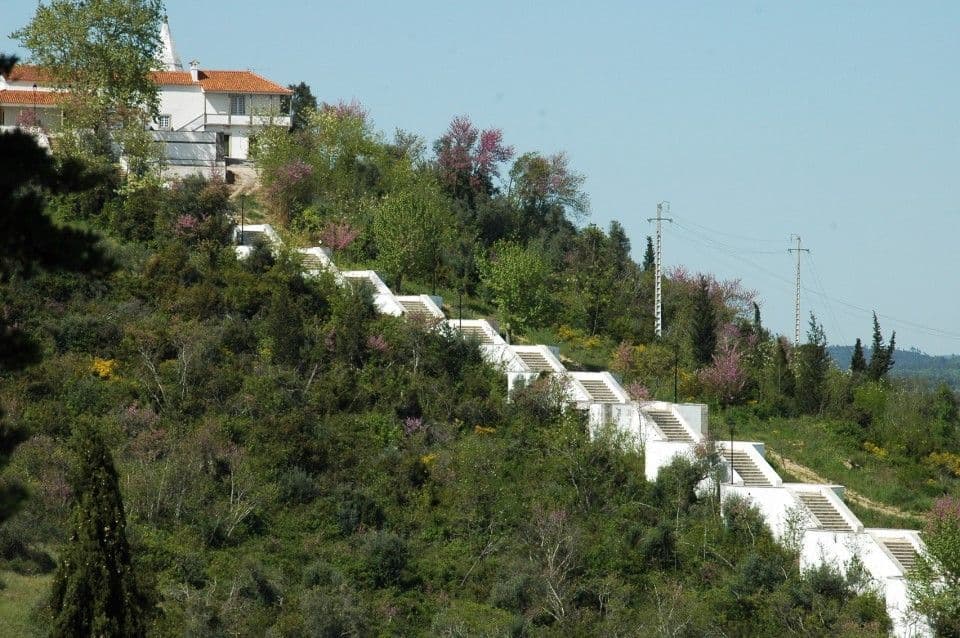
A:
(206, 116)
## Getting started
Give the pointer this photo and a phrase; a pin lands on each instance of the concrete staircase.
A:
(478, 334)
(744, 465)
(824, 512)
(599, 391)
(253, 237)
(312, 262)
(903, 550)
(670, 425)
(535, 361)
(416, 309)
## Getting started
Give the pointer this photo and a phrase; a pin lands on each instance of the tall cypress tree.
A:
(95, 591)
(813, 365)
(881, 356)
(858, 362)
(704, 325)
(648, 256)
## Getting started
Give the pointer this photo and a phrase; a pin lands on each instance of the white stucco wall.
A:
(184, 105)
(49, 117)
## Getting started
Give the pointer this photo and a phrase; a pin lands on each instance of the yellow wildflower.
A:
(103, 368)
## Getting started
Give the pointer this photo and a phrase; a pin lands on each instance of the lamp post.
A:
(35, 104)
(243, 199)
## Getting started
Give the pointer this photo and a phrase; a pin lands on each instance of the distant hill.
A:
(910, 363)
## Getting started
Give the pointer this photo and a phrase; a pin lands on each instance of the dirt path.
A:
(809, 476)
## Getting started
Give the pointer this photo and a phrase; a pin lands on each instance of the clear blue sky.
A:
(836, 121)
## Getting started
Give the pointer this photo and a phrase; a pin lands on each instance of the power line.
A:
(735, 253)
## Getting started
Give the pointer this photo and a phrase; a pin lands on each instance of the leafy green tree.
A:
(881, 355)
(301, 103)
(812, 365)
(649, 258)
(592, 279)
(102, 51)
(518, 281)
(703, 329)
(95, 592)
(12, 493)
(413, 228)
(858, 363)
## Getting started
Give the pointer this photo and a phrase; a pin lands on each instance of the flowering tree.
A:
(540, 180)
(934, 585)
(468, 159)
(338, 234)
(28, 118)
(725, 378)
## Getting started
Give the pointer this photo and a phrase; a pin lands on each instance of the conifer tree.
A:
(858, 362)
(881, 356)
(813, 364)
(704, 325)
(648, 256)
(95, 591)
(786, 383)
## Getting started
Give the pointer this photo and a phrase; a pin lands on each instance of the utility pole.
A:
(657, 271)
(796, 316)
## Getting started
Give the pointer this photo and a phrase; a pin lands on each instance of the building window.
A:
(163, 121)
(238, 105)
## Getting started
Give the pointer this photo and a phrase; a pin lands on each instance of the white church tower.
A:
(168, 54)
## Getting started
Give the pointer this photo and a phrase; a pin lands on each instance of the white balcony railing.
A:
(226, 119)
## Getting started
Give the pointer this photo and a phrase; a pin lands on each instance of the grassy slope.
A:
(816, 444)
(18, 599)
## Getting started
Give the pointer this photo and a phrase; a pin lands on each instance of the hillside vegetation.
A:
(250, 451)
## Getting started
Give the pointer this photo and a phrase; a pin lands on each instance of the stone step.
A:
(535, 361)
(903, 550)
(416, 309)
(669, 425)
(253, 237)
(824, 512)
(744, 465)
(312, 262)
(476, 333)
(599, 391)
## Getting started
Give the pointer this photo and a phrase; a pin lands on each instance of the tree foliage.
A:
(95, 591)
(518, 283)
(102, 51)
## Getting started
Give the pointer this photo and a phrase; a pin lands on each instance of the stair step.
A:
(253, 237)
(476, 333)
(670, 425)
(599, 391)
(416, 309)
(535, 361)
(744, 465)
(824, 512)
(903, 550)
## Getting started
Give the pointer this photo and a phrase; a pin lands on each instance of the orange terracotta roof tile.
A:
(239, 82)
(29, 98)
(28, 73)
(168, 78)
(210, 81)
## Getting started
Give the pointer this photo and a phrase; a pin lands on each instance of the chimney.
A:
(194, 71)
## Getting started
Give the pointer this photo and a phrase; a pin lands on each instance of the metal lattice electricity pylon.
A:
(796, 314)
(657, 269)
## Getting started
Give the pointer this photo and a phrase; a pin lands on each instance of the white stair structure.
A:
(384, 300)
(316, 260)
(814, 515)
(422, 307)
(251, 235)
